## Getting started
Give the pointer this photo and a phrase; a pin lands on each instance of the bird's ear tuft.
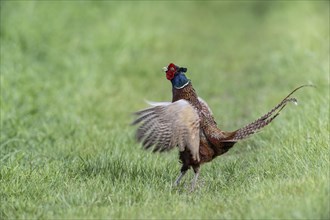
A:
(182, 69)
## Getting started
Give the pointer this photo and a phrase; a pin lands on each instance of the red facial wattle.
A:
(169, 75)
(171, 70)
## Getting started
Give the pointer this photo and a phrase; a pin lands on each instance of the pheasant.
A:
(188, 123)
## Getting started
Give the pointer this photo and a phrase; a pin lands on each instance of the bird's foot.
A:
(194, 181)
(177, 181)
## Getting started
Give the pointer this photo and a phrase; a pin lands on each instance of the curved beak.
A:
(164, 69)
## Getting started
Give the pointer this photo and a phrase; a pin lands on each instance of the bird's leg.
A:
(177, 181)
(183, 172)
(194, 181)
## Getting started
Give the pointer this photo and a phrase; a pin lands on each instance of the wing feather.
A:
(206, 110)
(167, 125)
(205, 106)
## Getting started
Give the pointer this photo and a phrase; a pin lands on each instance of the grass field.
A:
(73, 72)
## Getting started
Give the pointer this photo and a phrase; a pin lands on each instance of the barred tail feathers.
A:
(266, 119)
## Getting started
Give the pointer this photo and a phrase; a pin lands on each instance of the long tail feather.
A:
(261, 122)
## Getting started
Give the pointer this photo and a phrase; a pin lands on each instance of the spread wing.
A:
(166, 125)
(206, 109)
(205, 106)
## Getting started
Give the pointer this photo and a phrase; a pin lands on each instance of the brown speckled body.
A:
(210, 145)
(188, 93)
(188, 123)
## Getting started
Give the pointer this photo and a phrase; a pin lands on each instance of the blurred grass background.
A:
(72, 72)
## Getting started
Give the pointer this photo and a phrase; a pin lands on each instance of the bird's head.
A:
(172, 70)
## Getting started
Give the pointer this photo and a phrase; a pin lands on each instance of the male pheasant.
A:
(188, 123)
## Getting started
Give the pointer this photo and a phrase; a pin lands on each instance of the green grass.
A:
(72, 73)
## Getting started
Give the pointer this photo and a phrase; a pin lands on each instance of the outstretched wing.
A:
(166, 125)
(205, 106)
(206, 109)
